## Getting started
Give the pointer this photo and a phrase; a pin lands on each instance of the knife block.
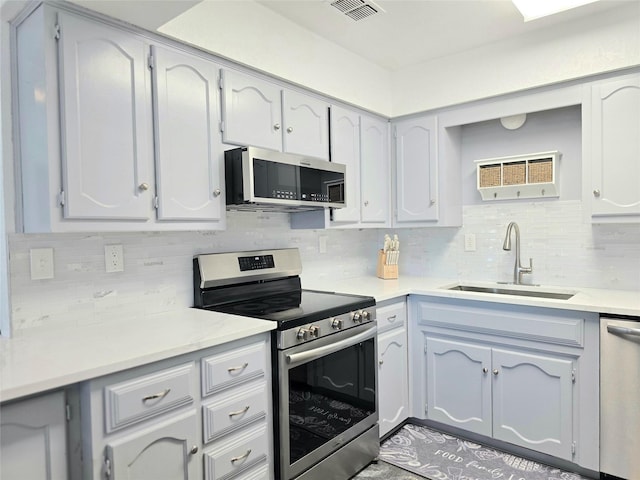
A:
(386, 272)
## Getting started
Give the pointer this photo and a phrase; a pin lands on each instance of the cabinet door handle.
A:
(290, 129)
(276, 126)
(216, 192)
(485, 370)
(241, 457)
(144, 187)
(156, 396)
(380, 362)
(596, 193)
(239, 412)
(193, 450)
(235, 369)
(495, 372)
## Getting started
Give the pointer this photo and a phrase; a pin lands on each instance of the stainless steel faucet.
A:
(518, 269)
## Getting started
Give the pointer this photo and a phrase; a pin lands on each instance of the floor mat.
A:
(440, 456)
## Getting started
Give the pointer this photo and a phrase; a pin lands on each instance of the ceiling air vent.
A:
(357, 9)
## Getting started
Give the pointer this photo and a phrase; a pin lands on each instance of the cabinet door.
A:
(251, 111)
(616, 147)
(165, 450)
(374, 170)
(105, 101)
(459, 384)
(393, 399)
(33, 440)
(188, 151)
(416, 170)
(345, 149)
(533, 401)
(306, 125)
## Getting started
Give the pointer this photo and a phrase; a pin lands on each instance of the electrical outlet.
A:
(41, 263)
(469, 242)
(114, 258)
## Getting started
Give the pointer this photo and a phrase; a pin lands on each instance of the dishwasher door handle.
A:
(623, 330)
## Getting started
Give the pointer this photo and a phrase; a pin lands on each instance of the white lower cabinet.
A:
(203, 414)
(164, 450)
(237, 454)
(33, 441)
(393, 387)
(488, 390)
(522, 375)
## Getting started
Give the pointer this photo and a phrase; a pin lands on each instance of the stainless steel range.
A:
(323, 354)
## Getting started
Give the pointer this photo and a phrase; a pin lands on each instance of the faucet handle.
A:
(528, 269)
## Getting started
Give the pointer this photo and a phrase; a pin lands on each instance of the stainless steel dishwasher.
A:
(620, 397)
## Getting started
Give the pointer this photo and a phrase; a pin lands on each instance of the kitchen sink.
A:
(504, 290)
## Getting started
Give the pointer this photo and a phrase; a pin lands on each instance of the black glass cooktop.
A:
(297, 308)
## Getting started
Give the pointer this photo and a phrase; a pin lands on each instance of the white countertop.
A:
(42, 359)
(619, 302)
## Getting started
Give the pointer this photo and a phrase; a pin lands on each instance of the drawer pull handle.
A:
(392, 318)
(156, 396)
(241, 457)
(235, 369)
(239, 412)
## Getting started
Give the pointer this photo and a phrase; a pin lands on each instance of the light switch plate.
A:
(469, 242)
(322, 244)
(41, 263)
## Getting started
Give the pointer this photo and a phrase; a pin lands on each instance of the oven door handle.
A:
(294, 358)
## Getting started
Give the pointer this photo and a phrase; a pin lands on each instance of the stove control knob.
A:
(336, 324)
(303, 334)
(357, 317)
(366, 316)
(314, 331)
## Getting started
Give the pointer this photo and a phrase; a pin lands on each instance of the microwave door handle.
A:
(312, 354)
(623, 330)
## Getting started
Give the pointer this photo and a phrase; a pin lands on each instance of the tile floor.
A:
(384, 470)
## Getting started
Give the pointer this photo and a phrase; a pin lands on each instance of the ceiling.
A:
(408, 32)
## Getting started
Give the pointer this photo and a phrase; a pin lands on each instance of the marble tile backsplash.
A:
(158, 266)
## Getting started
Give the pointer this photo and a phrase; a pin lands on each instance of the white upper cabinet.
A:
(362, 144)
(345, 149)
(614, 145)
(107, 149)
(374, 170)
(259, 113)
(251, 111)
(86, 105)
(416, 170)
(306, 125)
(188, 149)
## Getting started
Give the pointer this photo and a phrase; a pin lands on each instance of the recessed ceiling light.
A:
(532, 9)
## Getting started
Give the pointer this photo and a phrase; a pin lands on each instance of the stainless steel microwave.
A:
(258, 179)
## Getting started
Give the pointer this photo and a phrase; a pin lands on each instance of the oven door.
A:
(327, 396)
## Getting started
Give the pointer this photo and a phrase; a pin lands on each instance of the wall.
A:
(596, 44)
(158, 266)
(600, 43)
(252, 34)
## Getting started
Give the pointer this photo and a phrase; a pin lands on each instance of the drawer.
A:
(391, 316)
(259, 472)
(234, 456)
(230, 368)
(231, 411)
(144, 397)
